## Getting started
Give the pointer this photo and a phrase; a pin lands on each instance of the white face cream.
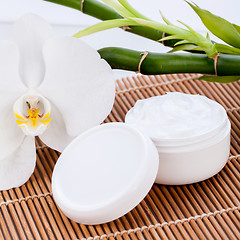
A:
(176, 116)
(191, 133)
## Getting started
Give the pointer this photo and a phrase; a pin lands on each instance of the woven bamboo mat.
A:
(206, 210)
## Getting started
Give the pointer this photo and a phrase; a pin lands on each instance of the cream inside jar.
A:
(191, 133)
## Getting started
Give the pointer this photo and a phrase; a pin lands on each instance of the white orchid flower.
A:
(55, 87)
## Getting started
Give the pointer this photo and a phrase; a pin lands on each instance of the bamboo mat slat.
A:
(206, 210)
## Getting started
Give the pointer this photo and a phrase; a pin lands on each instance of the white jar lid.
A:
(104, 173)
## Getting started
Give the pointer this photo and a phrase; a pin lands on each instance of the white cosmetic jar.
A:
(104, 173)
(190, 132)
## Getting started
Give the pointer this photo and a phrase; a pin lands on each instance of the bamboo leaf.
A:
(165, 19)
(222, 48)
(191, 36)
(172, 37)
(181, 42)
(237, 27)
(118, 8)
(218, 26)
(159, 26)
(104, 26)
(132, 10)
(185, 47)
(187, 26)
(220, 79)
(208, 37)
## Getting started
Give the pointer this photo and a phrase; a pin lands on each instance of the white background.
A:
(10, 10)
(67, 21)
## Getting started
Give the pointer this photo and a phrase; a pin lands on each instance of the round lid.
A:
(104, 173)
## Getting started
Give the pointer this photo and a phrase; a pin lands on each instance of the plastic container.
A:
(192, 151)
(191, 162)
(104, 173)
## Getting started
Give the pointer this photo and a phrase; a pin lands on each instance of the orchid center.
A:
(32, 112)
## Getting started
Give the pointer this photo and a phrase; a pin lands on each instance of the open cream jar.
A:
(191, 133)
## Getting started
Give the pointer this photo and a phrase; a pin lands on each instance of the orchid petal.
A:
(11, 88)
(11, 135)
(10, 81)
(30, 33)
(56, 135)
(78, 82)
(16, 169)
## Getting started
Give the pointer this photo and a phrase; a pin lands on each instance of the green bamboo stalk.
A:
(157, 63)
(103, 12)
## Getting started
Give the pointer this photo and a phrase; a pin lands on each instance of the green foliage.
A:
(184, 47)
(222, 48)
(132, 10)
(119, 13)
(220, 27)
(220, 79)
(176, 32)
(134, 18)
(104, 25)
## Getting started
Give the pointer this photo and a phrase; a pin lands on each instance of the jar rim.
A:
(170, 142)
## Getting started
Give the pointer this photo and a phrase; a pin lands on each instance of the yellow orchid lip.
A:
(33, 116)
(32, 112)
(33, 119)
